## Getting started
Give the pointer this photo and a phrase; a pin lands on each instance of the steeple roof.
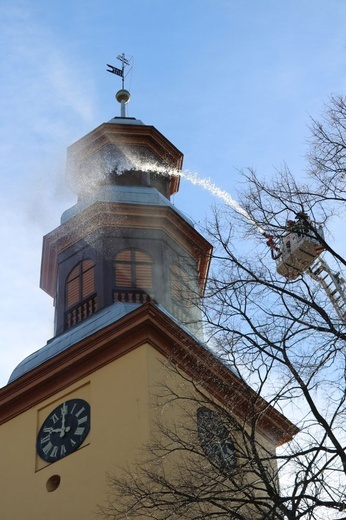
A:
(122, 146)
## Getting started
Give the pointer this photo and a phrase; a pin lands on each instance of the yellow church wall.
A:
(118, 395)
(175, 401)
(188, 397)
(126, 399)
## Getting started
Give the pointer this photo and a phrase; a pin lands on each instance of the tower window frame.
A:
(180, 285)
(133, 276)
(80, 293)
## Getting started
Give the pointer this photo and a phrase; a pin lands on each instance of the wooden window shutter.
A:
(80, 283)
(72, 287)
(175, 282)
(123, 277)
(124, 256)
(88, 278)
(133, 270)
(144, 270)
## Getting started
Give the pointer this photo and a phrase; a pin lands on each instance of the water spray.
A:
(123, 96)
(218, 192)
(193, 178)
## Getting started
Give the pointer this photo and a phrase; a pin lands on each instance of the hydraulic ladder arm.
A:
(332, 283)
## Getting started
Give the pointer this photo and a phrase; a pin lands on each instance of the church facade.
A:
(126, 270)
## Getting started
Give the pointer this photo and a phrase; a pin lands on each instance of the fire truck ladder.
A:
(332, 283)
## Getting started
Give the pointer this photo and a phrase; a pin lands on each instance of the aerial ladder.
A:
(299, 251)
(332, 283)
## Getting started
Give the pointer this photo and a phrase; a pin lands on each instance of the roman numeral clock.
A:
(63, 430)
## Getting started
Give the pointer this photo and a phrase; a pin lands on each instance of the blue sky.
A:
(232, 83)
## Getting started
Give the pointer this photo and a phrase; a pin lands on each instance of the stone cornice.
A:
(147, 324)
(137, 216)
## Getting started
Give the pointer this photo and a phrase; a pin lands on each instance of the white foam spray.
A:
(218, 192)
(204, 183)
(130, 161)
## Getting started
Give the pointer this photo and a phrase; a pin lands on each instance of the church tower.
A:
(124, 243)
(125, 269)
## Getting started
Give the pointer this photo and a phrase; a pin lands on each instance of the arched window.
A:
(182, 293)
(181, 287)
(216, 440)
(133, 273)
(80, 295)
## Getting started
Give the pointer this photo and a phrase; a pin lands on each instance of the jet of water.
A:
(129, 162)
(194, 178)
(218, 192)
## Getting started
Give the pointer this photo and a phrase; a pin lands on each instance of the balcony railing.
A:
(81, 311)
(131, 296)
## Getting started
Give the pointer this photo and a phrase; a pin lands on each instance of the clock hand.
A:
(57, 430)
(64, 430)
(63, 414)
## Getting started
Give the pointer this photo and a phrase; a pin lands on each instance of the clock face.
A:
(64, 430)
(215, 439)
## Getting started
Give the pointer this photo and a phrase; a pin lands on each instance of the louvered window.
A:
(80, 299)
(182, 294)
(180, 286)
(133, 276)
(175, 282)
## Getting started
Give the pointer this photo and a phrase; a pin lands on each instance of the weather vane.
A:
(122, 96)
(120, 72)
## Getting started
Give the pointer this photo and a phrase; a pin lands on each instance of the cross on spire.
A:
(120, 72)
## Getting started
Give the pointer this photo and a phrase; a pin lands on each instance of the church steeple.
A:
(123, 242)
(126, 270)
